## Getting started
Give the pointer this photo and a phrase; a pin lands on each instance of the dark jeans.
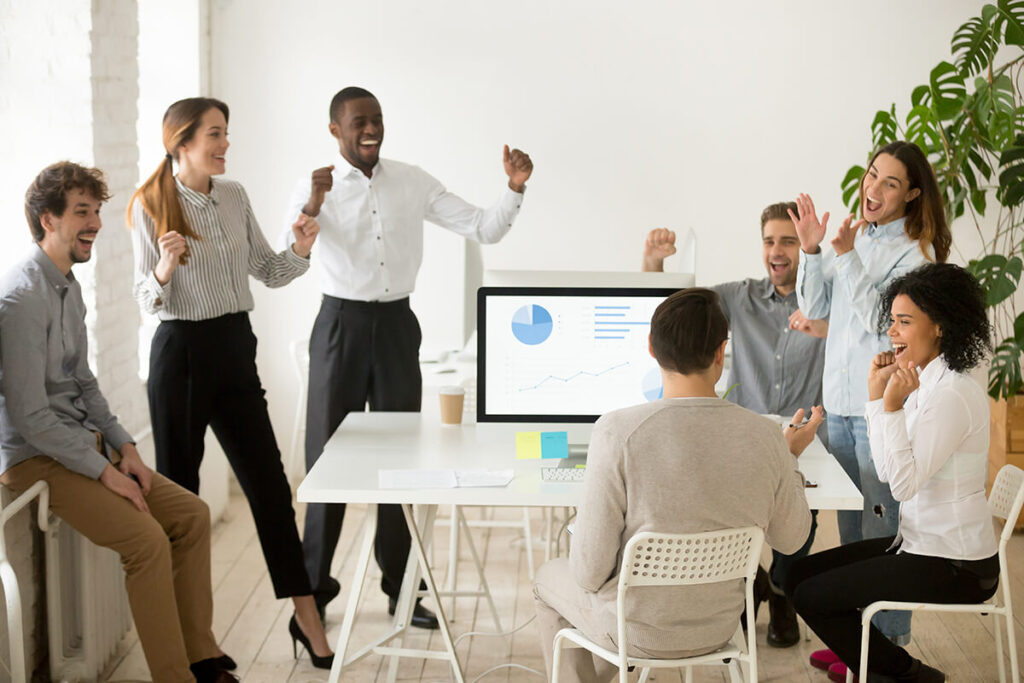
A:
(829, 589)
(359, 352)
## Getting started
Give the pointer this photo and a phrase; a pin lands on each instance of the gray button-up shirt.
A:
(50, 402)
(777, 370)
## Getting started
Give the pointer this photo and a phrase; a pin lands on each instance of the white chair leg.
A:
(528, 542)
(689, 674)
(453, 559)
(997, 628)
(556, 659)
(644, 673)
(1011, 642)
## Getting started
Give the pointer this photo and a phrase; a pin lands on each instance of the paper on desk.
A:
(442, 479)
(416, 479)
(479, 478)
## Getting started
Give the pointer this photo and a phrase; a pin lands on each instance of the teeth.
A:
(369, 142)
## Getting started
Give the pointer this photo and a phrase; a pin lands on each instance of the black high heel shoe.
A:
(299, 637)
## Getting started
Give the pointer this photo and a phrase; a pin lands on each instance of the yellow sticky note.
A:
(528, 445)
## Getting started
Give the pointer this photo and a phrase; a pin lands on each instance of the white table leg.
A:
(362, 563)
(484, 587)
(453, 557)
(426, 522)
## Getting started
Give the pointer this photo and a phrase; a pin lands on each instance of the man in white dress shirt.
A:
(364, 346)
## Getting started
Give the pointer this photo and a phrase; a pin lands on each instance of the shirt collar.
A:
(768, 291)
(53, 275)
(198, 198)
(345, 169)
(893, 229)
(932, 373)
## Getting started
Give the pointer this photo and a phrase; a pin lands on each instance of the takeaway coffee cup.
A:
(452, 399)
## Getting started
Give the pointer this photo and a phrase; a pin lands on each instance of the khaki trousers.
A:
(165, 554)
(561, 603)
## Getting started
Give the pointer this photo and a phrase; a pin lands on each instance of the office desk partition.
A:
(347, 472)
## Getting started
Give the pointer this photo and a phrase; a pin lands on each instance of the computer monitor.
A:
(564, 354)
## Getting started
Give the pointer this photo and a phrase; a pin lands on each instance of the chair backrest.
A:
(653, 559)
(1006, 498)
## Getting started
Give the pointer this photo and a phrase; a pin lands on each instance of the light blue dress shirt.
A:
(846, 289)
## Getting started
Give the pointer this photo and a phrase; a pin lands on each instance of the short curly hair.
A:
(48, 193)
(954, 300)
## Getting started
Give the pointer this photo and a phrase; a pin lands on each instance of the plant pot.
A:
(1007, 437)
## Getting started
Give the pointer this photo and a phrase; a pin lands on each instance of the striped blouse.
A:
(231, 247)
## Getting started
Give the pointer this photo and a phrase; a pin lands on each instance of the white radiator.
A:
(87, 607)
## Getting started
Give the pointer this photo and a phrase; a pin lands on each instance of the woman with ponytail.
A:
(902, 226)
(196, 243)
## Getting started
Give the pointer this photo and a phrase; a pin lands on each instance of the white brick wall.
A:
(69, 87)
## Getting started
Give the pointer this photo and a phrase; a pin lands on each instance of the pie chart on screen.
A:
(532, 324)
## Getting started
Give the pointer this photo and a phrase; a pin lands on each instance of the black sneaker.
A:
(783, 628)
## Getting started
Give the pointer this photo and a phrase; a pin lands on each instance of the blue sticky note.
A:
(554, 445)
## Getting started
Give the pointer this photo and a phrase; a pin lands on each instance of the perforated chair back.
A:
(652, 559)
(1006, 498)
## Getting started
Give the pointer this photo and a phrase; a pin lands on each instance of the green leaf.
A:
(1011, 177)
(998, 276)
(947, 90)
(1009, 21)
(851, 188)
(1018, 329)
(978, 201)
(922, 129)
(974, 45)
(1004, 375)
(884, 127)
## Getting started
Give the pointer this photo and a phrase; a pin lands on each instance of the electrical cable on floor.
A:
(502, 634)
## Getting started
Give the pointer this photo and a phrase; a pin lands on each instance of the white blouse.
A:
(934, 455)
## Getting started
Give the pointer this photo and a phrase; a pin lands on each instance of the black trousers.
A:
(359, 352)
(829, 589)
(204, 373)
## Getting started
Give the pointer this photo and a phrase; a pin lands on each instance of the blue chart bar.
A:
(609, 337)
(605, 329)
(612, 315)
(622, 322)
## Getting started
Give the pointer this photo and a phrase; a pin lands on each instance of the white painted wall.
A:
(636, 115)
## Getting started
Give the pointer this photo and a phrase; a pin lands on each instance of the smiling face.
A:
(204, 152)
(69, 237)
(914, 336)
(359, 131)
(781, 252)
(885, 190)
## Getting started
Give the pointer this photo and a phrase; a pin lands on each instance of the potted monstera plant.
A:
(969, 119)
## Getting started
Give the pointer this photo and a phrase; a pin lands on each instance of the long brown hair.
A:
(925, 217)
(159, 195)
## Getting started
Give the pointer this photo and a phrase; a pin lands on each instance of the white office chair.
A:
(299, 350)
(1004, 501)
(652, 559)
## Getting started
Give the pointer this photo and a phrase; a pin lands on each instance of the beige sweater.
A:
(682, 465)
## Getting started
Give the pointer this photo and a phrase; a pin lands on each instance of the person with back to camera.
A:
(928, 423)
(685, 463)
(902, 226)
(196, 243)
(772, 371)
(364, 346)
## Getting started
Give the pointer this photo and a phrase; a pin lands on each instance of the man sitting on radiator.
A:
(55, 426)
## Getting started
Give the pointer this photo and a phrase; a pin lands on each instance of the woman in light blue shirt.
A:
(902, 226)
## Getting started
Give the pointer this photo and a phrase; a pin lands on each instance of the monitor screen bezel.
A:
(481, 351)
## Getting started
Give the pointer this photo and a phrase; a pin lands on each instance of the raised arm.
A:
(486, 226)
(659, 245)
(790, 522)
(275, 269)
(813, 284)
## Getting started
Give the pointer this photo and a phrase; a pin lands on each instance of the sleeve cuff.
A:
(117, 436)
(844, 261)
(92, 465)
(296, 260)
(161, 292)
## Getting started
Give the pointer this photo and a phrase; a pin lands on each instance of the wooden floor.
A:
(252, 626)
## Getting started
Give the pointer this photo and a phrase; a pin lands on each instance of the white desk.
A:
(368, 442)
